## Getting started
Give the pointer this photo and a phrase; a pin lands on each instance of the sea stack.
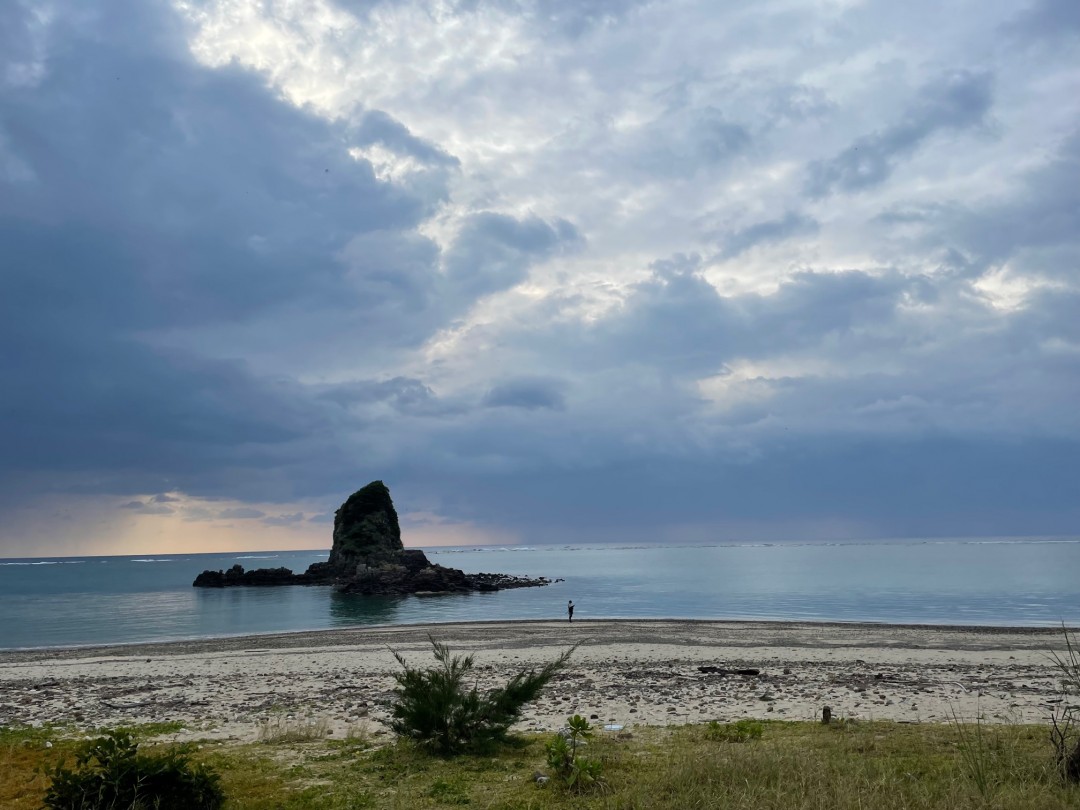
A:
(368, 557)
(366, 530)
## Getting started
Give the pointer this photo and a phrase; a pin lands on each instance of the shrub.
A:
(740, 731)
(576, 773)
(434, 709)
(1064, 732)
(110, 773)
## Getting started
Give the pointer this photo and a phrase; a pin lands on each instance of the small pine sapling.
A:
(435, 709)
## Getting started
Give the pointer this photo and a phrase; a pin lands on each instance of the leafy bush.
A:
(740, 731)
(111, 774)
(434, 709)
(577, 773)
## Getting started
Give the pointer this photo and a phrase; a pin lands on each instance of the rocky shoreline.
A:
(430, 581)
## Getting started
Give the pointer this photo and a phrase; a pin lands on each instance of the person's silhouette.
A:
(570, 610)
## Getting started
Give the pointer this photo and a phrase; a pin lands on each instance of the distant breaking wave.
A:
(914, 541)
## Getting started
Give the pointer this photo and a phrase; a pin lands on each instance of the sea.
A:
(1029, 582)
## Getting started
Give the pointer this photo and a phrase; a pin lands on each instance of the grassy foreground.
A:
(793, 765)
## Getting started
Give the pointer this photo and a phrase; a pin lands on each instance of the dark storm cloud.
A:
(955, 101)
(528, 393)
(90, 402)
(159, 193)
(838, 487)
(156, 193)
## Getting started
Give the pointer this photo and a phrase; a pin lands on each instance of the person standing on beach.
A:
(570, 609)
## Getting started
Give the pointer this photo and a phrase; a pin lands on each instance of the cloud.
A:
(958, 101)
(284, 520)
(677, 320)
(143, 508)
(493, 252)
(687, 142)
(612, 268)
(1043, 215)
(377, 127)
(1051, 19)
(404, 394)
(240, 513)
(527, 393)
(769, 232)
(1029, 233)
(165, 196)
(866, 483)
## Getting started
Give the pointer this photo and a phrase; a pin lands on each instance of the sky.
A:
(555, 270)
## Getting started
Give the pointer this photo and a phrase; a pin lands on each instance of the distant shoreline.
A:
(614, 545)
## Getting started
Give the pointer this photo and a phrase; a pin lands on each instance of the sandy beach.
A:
(623, 672)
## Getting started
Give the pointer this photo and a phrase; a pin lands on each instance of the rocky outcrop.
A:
(368, 557)
(257, 577)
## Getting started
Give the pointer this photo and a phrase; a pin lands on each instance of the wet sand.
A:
(623, 672)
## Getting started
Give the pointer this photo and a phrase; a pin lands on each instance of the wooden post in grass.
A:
(826, 715)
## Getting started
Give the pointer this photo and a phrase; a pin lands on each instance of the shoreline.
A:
(626, 672)
(1048, 630)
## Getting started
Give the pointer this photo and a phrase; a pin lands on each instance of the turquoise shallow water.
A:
(109, 600)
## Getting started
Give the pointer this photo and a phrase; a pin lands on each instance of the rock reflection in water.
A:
(346, 609)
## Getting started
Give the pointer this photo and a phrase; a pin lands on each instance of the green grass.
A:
(853, 766)
(739, 731)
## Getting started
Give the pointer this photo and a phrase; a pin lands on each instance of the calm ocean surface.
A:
(107, 600)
